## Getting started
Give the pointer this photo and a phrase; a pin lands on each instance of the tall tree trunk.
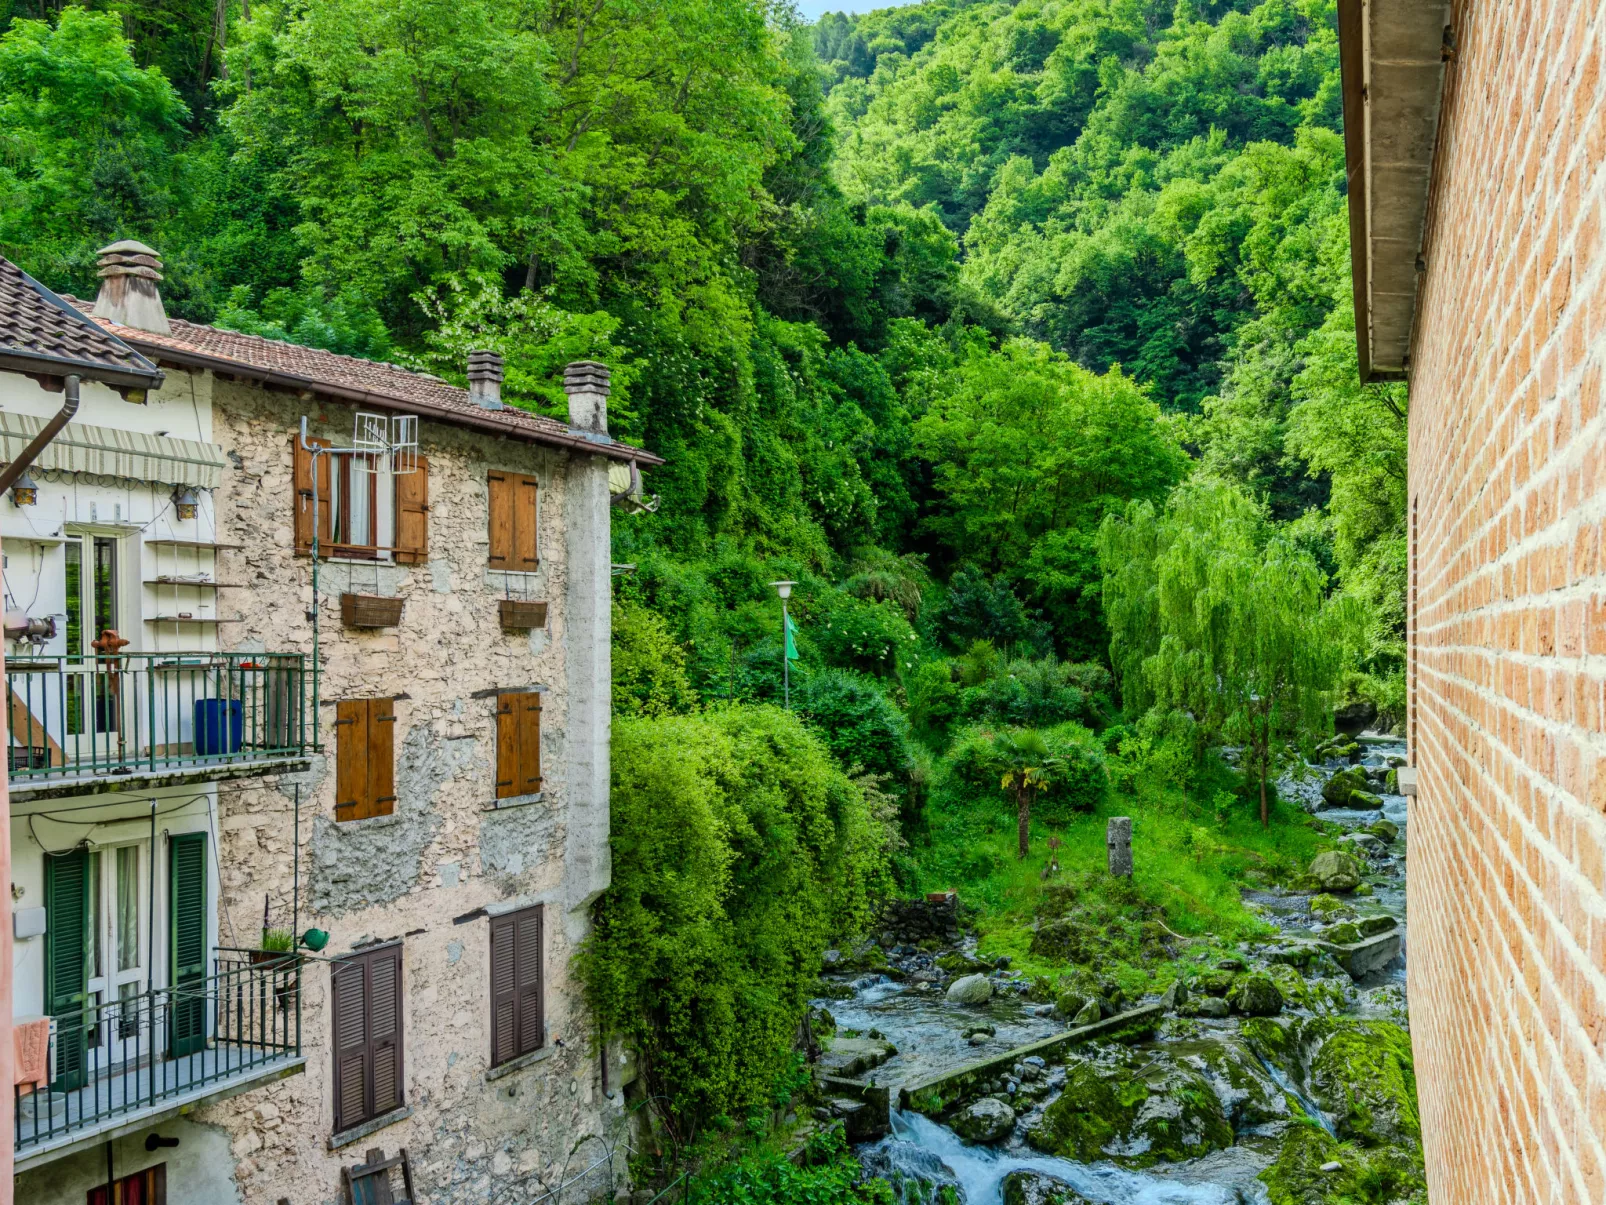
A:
(1023, 802)
(1264, 822)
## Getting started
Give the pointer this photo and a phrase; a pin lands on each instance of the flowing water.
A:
(930, 1037)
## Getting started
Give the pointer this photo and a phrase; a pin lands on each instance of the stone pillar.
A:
(485, 379)
(1118, 842)
(587, 644)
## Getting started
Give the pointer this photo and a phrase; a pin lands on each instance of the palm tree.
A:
(1029, 769)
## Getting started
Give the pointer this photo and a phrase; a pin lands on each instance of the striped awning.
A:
(112, 452)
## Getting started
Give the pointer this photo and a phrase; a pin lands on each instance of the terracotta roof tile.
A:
(40, 333)
(349, 378)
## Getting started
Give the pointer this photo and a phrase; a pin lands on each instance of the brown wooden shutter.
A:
(517, 1011)
(385, 1028)
(351, 759)
(381, 757)
(525, 554)
(529, 723)
(531, 1021)
(507, 746)
(301, 502)
(412, 516)
(504, 989)
(501, 489)
(350, 1040)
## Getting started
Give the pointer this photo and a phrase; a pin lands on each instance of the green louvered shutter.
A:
(187, 909)
(67, 961)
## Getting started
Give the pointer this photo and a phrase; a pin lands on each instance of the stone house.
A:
(304, 844)
(1476, 147)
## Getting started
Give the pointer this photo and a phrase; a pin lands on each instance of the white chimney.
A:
(128, 296)
(586, 383)
(485, 379)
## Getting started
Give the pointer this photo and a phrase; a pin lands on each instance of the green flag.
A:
(791, 645)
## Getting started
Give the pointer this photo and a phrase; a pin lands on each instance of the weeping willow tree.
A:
(1212, 613)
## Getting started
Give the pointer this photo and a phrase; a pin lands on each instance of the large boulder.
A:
(1352, 719)
(971, 989)
(1359, 1073)
(1336, 790)
(1040, 1188)
(1256, 996)
(986, 1120)
(1313, 1168)
(1334, 872)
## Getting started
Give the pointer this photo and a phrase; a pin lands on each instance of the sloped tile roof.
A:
(350, 379)
(41, 334)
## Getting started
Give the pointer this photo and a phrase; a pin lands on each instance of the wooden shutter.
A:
(66, 960)
(524, 511)
(501, 489)
(518, 744)
(529, 767)
(385, 1028)
(302, 500)
(412, 516)
(517, 1020)
(350, 1039)
(513, 511)
(186, 881)
(365, 758)
(148, 1187)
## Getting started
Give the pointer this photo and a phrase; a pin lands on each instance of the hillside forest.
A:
(1017, 333)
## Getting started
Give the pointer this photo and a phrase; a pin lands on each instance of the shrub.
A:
(981, 608)
(1037, 694)
(649, 668)
(856, 633)
(740, 850)
(857, 722)
(933, 697)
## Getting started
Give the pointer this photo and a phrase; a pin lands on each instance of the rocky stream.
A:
(1275, 1071)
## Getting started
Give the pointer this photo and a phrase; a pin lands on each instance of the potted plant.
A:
(370, 611)
(276, 944)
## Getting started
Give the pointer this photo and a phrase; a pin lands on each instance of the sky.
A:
(813, 10)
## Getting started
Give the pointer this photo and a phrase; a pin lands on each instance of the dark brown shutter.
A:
(528, 937)
(504, 989)
(412, 516)
(529, 724)
(381, 757)
(501, 489)
(525, 553)
(351, 759)
(507, 746)
(385, 1027)
(350, 990)
(301, 502)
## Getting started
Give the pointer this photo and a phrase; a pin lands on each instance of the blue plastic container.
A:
(219, 726)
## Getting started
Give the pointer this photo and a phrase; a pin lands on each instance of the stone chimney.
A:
(485, 379)
(128, 296)
(586, 383)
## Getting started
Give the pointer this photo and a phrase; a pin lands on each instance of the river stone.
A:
(1368, 844)
(1089, 1014)
(1256, 996)
(1209, 1006)
(1335, 871)
(985, 1120)
(1040, 1188)
(1384, 830)
(971, 989)
(1363, 801)
(1069, 1004)
(1336, 790)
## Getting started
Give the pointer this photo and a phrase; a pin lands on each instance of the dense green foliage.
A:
(740, 850)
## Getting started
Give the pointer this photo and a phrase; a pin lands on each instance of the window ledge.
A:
(514, 801)
(520, 1063)
(357, 1133)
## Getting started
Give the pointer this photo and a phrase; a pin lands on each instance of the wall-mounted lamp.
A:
(25, 490)
(185, 501)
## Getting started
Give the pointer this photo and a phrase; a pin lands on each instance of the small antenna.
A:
(388, 442)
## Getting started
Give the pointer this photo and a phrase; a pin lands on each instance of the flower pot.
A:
(519, 615)
(370, 611)
(219, 726)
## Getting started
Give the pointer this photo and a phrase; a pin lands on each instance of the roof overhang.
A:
(1392, 54)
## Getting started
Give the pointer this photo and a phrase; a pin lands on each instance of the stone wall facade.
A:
(1508, 499)
(427, 874)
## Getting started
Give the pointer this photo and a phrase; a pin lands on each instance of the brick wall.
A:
(1508, 483)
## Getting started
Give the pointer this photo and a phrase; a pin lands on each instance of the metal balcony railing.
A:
(118, 1057)
(147, 712)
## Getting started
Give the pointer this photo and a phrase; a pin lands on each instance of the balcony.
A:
(81, 725)
(131, 1063)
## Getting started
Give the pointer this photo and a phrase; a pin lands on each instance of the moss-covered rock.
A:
(1039, 1188)
(1359, 1073)
(1255, 995)
(1325, 905)
(1335, 871)
(1136, 1107)
(1383, 829)
(1249, 1097)
(1336, 790)
(1388, 1176)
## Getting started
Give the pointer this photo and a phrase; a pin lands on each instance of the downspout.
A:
(8, 1097)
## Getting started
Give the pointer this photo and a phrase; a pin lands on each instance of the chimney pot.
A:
(586, 383)
(485, 379)
(129, 272)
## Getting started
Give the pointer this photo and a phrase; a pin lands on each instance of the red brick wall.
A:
(1508, 477)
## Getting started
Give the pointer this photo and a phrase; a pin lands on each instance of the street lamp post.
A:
(784, 589)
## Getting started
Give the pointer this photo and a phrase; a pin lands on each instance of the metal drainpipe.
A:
(51, 429)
